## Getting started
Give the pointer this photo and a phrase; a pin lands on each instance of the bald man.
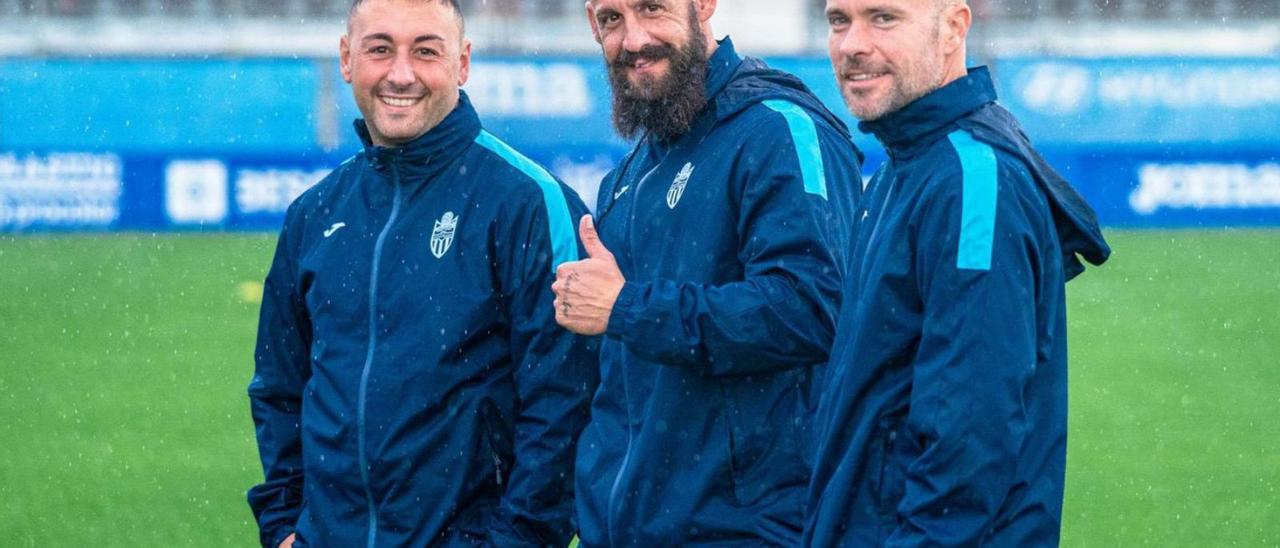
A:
(943, 418)
(713, 270)
(411, 386)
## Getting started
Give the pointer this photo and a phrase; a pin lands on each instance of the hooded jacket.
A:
(731, 238)
(412, 387)
(943, 419)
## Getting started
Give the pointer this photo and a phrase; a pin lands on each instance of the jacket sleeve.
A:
(282, 368)
(978, 271)
(555, 376)
(798, 187)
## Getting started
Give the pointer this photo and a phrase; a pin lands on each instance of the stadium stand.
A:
(1088, 27)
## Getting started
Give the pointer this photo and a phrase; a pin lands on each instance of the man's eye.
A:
(379, 50)
(837, 21)
(610, 19)
(652, 7)
(427, 52)
(883, 18)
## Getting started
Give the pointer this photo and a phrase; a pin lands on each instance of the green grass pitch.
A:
(124, 420)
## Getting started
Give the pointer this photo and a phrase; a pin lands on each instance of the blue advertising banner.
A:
(1219, 102)
(1157, 141)
(160, 105)
(224, 144)
(61, 190)
(1183, 186)
(105, 191)
(65, 191)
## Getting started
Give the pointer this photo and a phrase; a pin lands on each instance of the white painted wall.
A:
(763, 26)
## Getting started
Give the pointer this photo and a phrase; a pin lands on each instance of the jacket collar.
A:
(935, 111)
(432, 150)
(721, 67)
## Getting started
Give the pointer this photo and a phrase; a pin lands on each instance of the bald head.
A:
(452, 4)
(888, 53)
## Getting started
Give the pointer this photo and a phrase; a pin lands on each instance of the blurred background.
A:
(148, 150)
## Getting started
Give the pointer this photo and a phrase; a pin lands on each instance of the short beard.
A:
(665, 107)
(906, 92)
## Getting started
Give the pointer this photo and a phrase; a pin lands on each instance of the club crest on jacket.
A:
(677, 186)
(442, 234)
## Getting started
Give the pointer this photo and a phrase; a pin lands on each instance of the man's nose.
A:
(636, 37)
(855, 41)
(401, 73)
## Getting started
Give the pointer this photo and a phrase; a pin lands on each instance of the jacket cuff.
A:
(622, 317)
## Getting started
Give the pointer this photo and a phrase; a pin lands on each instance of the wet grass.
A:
(1175, 393)
(124, 421)
(123, 366)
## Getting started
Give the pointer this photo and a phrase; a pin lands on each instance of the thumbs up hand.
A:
(586, 290)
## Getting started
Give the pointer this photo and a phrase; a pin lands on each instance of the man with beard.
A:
(412, 387)
(943, 418)
(715, 276)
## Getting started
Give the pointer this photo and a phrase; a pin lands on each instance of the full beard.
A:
(666, 106)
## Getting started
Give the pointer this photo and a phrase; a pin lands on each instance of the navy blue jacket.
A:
(731, 238)
(943, 419)
(412, 387)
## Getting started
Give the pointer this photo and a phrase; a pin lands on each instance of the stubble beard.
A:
(908, 86)
(398, 129)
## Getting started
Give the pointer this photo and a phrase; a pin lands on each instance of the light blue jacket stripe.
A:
(564, 245)
(978, 206)
(805, 136)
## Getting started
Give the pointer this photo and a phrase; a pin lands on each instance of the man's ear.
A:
(591, 18)
(958, 19)
(706, 8)
(344, 57)
(464, 67)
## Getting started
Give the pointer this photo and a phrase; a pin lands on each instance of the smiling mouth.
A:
(399, 101)
(641, 64)
(863, 76)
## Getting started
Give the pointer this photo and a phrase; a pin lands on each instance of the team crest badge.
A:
(677, 186)
(442, 234)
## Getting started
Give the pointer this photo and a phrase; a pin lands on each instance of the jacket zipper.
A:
(635, 204)
(497, 466)
(613, 192)
(626, 457)
(626, 392)
(368, 361)
(490, 435)
(883, 207)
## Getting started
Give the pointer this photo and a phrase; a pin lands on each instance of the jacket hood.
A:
(749, 81)
(430, 151)
(970, 104)
(1074, 218)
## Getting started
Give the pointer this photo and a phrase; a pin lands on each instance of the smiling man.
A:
(412, 387)
(943, 418)
(715, 275)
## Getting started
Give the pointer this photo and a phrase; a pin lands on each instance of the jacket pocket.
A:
(765, 437)
(498, 441)
(767, 416)
(731, 441)
(890, 442)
